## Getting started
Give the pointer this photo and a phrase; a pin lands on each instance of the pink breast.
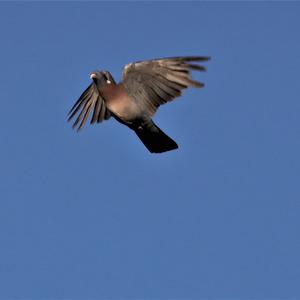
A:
(118, 101)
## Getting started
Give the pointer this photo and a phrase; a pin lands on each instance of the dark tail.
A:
(155, 140)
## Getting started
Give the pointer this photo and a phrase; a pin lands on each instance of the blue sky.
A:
(94, 215)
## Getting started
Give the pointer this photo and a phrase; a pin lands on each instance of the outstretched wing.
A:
(88, 101)
(154, 82)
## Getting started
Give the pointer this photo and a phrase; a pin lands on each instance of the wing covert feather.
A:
(154, 82)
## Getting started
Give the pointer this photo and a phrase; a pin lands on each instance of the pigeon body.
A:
(144, 87)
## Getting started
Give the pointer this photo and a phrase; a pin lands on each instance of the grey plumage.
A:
(145, 85)
(90, 99)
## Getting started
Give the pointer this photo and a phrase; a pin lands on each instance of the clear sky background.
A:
(94, 215)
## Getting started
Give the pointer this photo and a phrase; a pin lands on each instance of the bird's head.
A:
(102, 78)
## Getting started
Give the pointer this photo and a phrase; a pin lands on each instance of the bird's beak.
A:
(93, 75)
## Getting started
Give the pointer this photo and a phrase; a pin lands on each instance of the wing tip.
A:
(199, 85)
(200, 58)
(191, 58)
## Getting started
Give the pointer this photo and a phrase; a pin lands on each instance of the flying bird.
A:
(145, 85)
